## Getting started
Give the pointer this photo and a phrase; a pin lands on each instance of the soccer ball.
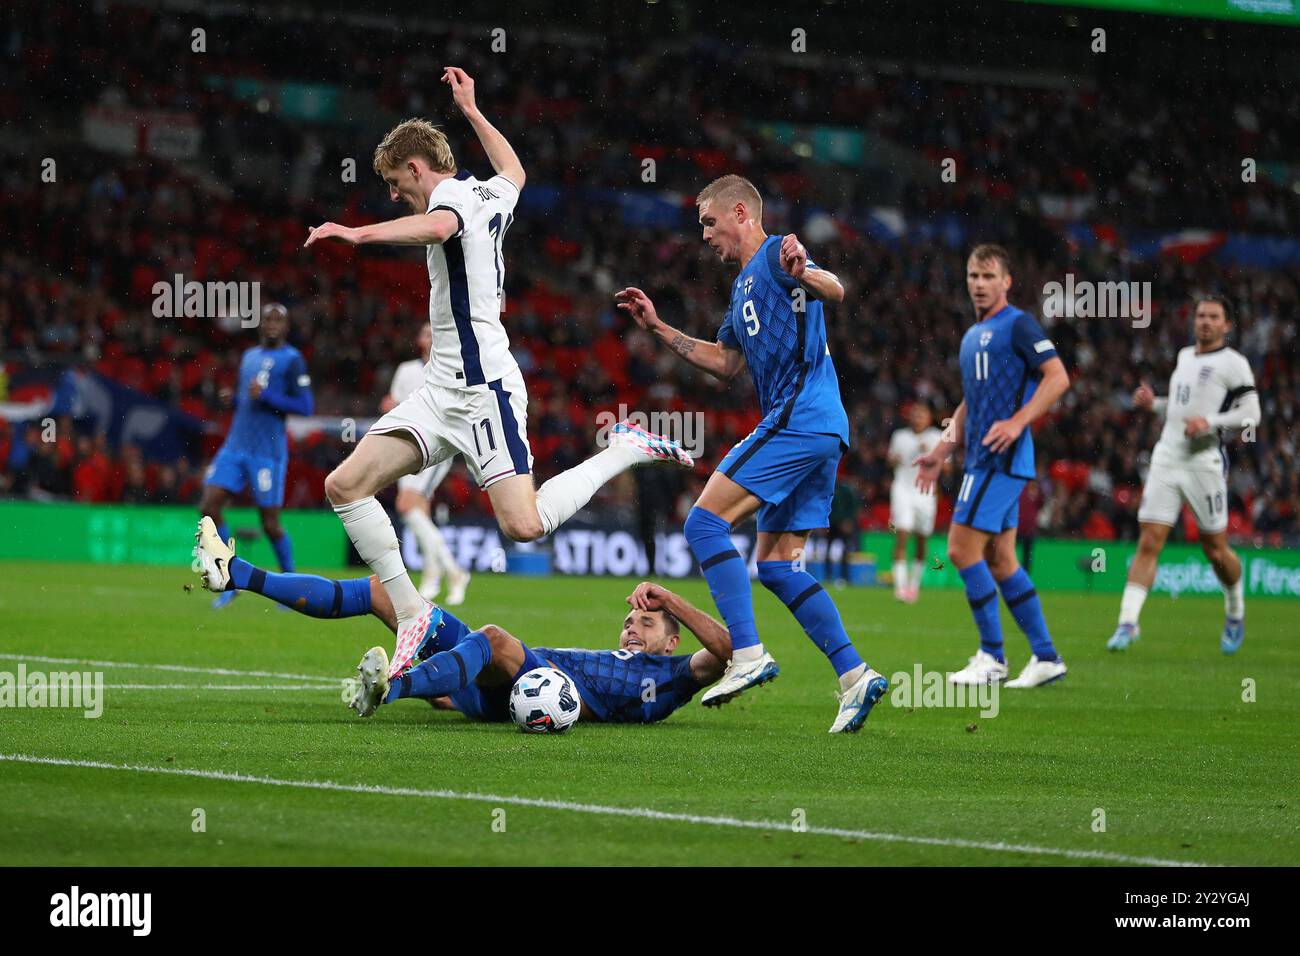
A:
(544, 701)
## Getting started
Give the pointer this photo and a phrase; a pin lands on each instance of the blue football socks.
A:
(307, 594)
(814, 609)
(982, 593)
(1022, 601)
(725, 571)
(446, 671)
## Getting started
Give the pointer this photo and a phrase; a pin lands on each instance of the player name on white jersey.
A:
(466, 279)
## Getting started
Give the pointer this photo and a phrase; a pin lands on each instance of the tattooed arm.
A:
(712, 357)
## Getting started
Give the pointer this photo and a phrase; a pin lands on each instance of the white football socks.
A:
(559, 499)
(918, 572)
(372, 535)
(1234, 599)
(747, 655)
(1130, 605)
(900, 577)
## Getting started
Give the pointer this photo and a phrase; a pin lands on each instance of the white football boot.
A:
(738, 678)
(983, 668)
(857, 701)
(411, 637)
(213, 556)
(653, 447)
(1037, 673)
(373, 682)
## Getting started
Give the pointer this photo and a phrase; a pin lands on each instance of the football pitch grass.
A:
(235, 720)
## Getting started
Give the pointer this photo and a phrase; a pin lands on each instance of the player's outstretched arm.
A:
(419, 230)
(499, 151)
(712, 357)
(706, 665)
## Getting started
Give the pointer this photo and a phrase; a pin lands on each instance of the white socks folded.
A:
(372, 535)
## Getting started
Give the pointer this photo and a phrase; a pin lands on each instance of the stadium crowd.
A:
(111, 227)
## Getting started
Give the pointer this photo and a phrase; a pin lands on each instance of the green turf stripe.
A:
(593, 808)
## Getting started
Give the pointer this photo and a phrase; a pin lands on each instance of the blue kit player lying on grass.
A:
(472, 670)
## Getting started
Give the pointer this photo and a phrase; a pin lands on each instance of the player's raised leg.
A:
(1141, 575)
(525, 514)
(222, 571)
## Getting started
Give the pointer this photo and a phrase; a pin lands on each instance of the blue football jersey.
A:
(784, 347)
(1000, 358)
(257, 428)
(622, 687)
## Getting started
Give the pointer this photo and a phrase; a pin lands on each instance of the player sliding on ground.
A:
(472, 670)
(785, 469)
(473, 400)
(1010, 375)
(1212, 388)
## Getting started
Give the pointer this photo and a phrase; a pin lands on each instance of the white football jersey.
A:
(908, 445)
(466, 276)
(1202, 385)
(408, 377)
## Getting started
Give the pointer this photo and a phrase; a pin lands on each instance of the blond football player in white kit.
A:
(911, 511)
(1212, 388)
(473, 401)
(414, 491)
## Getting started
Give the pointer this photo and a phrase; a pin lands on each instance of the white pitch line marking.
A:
(644, 813)
(174, 668)
(276, 687)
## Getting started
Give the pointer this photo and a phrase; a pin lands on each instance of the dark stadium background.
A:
(1122, 165)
